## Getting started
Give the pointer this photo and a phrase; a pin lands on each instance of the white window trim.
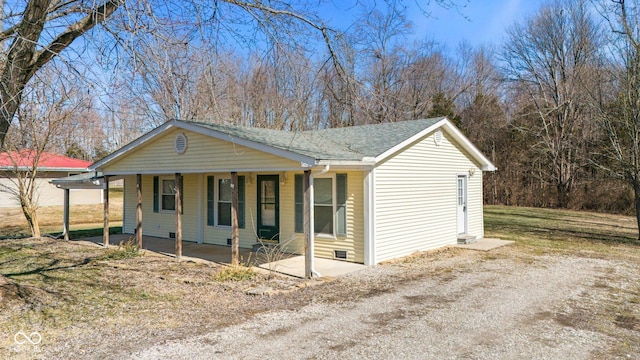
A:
(216, 200)
(160, 193)
(334, 201)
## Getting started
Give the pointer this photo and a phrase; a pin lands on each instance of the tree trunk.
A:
(32, 220)
(636, 193)
(563, 195)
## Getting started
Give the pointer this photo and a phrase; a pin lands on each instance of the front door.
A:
(268, 207)
(462, 204)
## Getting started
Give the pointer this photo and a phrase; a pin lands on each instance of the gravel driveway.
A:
(466, 306)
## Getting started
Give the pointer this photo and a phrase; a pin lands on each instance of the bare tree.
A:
(32, 36)
(42, 115)
(548, 57)
(618, 96)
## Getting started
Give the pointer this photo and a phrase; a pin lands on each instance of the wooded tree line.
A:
(555, 105)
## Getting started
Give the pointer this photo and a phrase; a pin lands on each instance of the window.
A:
(164, 193)
(168, 194)
(330, 209)
(219, 201)
(323, 206)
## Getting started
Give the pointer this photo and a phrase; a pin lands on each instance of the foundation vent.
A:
(172, 235)
(340, 254)
(229, 242)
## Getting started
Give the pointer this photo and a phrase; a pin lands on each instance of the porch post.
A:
(308, 253)
(178, 217)
(234, 219)
(139, 211)
(65, 215)
(105, 231)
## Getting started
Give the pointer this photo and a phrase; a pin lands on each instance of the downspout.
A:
(311, 215)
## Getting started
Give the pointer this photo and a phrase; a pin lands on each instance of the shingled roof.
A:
(364, 144)
(346, 143)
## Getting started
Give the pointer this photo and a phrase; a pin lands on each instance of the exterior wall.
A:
(415, 198)
(195, 198)
(353, 243)
(49, 194)
(203, 153)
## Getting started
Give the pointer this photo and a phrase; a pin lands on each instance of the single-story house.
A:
(376, 192)
(49, 166)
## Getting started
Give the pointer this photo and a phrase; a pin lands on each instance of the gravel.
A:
(458, 304)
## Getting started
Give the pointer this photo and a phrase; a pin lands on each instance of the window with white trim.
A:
(167, 194)
(219, 201)
(329, 205)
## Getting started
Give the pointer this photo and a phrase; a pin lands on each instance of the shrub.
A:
(125, 250)
(235, 273)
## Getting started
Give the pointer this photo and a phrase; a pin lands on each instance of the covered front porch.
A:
(288, 264)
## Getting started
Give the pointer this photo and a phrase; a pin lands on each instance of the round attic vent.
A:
(437, 137)
(180, 143)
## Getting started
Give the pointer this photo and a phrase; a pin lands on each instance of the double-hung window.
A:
(164, 193)
(168, 195)
(329, 205)
(219, 201)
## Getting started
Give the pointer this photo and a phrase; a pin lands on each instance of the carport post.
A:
(105, 231)
(139, 211)
(308, 256)
(65, 215)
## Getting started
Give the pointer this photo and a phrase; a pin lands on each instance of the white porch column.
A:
(369, 218)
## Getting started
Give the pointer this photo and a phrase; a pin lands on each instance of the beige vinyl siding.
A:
(129, 205)
(218, 235)
(203, 153)
(160, 224)
(353, 243)
(415, 198)
(48, 194)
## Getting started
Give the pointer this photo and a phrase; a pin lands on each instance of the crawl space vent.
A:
(437, 137)
(180, 143)
(340, 254)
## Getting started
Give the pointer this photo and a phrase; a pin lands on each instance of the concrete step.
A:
(466, 239)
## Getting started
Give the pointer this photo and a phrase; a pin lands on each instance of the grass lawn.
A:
(565, 231)
(84, 301)
(81, 217)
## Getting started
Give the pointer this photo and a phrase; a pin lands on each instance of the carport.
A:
(88, 180)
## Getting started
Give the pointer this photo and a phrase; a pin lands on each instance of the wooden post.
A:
(105, 231)
(139, 211)
(308, 255)
(234, 220)
(178, 217)
(65, 215)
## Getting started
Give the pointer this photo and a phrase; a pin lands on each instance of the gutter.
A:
(311, 216)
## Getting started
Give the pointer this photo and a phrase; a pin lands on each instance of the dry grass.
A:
(563, 231)
(92, 306)
(79, 299)
(14, 225)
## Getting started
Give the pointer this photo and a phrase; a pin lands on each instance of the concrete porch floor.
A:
(291, 265)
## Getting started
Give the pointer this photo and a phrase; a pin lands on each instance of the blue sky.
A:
(486, 23)
(480, 22)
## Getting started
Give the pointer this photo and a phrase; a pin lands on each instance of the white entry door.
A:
(462, 204)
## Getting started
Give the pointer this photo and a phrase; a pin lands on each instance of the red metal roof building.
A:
(47, 162)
